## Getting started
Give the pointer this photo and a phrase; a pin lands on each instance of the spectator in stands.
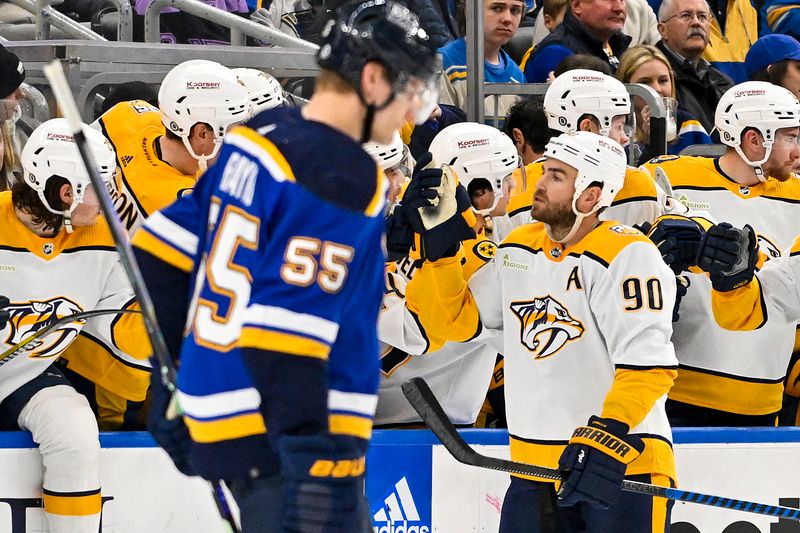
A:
(645, 64)
(501, 20)
(183, 28)
(592, 27)
(780, 16)
(640, 23)
(684, 26)
(12, 74)
(776, 59)
(734, 29)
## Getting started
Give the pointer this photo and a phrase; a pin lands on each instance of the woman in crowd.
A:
(646, 64)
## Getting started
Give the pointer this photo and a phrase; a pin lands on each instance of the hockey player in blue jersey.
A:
(268, 278)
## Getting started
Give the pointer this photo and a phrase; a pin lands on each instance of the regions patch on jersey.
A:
(546, 325)
(692, 204)
(625, 230)
(486, 250)
(663, 159)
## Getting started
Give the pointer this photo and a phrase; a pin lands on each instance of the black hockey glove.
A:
(677, 238)
(170, 432)
(4, 314)
(594, 462)
(681, 288)
(729, 255)
(399, 235)
(433, 204)
(323, 483)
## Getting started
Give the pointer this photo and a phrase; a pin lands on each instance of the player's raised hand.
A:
(678, 239)
(432, 204)
(729, 255)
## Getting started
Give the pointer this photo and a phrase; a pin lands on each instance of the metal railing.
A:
(46, 16)
(33, 103)
(239, 26)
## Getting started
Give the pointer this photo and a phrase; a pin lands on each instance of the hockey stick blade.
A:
(21, 347)
(424, 402)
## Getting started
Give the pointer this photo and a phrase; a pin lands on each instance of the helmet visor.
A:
(423, 94)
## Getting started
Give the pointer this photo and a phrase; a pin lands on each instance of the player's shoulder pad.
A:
(328, 163)
(663, 159)
(638, 185)
(477, 252)
(608, 240)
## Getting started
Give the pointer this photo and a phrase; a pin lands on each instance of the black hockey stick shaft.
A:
(58, 83)
(22, 346)
(424, 402)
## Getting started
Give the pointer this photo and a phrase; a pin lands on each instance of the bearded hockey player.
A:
(583, 310)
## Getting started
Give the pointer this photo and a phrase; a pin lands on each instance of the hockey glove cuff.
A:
(594, 462)
(678, 239)
(5, 315)
(324, 487)
(729, 255)
(168, 431)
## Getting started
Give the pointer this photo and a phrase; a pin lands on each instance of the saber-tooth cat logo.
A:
(399, 512)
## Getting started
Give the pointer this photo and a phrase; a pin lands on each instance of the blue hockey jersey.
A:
(285, 252)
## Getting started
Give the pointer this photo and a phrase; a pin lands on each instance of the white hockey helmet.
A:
(597, 159)
(202, 91)
(51, 151)
(388, 155)
(475, 151)
(759, 105)
(264, 90)
(581, 92)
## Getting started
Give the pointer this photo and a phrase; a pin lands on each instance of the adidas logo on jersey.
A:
(125, 159)
(399, 512)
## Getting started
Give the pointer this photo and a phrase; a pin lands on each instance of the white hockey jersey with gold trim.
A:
(50, 278)
(733, 371)
(585, 330)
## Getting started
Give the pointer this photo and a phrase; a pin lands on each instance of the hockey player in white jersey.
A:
(459, 373)
(735, 378)
(263, 90)
(586, 100)
(59, 259)
(584, 310)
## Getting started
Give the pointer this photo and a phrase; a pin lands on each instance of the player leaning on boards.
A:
(58, 260)
(584, 308)
(729, 378)
(279, 369)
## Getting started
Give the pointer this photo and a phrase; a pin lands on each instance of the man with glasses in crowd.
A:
(685, 28)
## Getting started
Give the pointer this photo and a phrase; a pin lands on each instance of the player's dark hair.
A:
(27, 200)
(528, 117)
(773, 74)
(584, 61)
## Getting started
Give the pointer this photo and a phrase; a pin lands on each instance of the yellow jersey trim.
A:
(356, 426)
(161, 249)
(235, 427)
(727, 393)
(79, 504)
(279, 341)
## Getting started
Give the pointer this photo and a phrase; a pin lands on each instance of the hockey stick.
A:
(424, 402)
(22, 346)
(58, 83)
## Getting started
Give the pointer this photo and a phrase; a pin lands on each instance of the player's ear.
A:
(65, 193)
(375, 83)
(200, 130)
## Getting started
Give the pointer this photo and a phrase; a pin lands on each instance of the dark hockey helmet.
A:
(378, 30)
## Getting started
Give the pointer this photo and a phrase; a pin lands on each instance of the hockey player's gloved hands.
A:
(399, 234)
(4, 314)
(729, 255)
(324, 483)
(432, 204)
(170, 433)
(677, 238)
(594, 462)
(681, 288)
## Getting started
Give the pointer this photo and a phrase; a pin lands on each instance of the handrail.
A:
(46, 16)
(40, 110)
(239, 26)
(125, 22)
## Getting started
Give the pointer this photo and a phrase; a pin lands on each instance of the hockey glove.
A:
(399, 235)
(677, 238)
(4, 314)
(432, 204)
(594, 462)
(681, 288)
(729, 255)
(169, 431)
(324, 483)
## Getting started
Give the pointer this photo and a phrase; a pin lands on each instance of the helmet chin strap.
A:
(369, 118)
(575, 225)
(202, 160)
(757, 164)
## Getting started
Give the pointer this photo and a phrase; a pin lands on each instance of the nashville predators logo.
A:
(546, 325)
(29, 317)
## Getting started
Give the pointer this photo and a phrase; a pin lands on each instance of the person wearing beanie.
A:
(12, 74)
(776, 59)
